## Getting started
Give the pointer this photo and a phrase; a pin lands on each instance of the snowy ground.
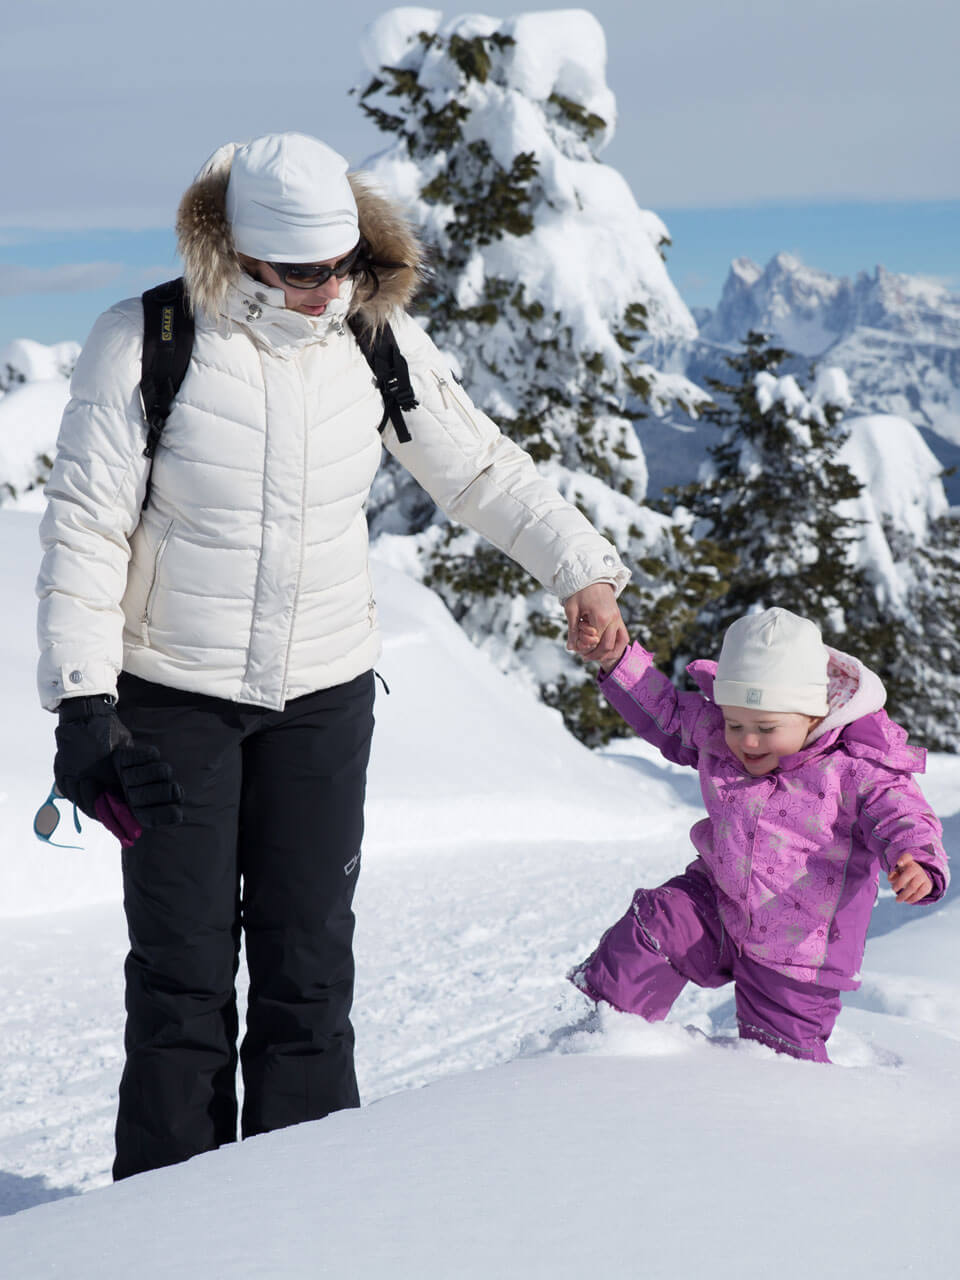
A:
(547, 1142)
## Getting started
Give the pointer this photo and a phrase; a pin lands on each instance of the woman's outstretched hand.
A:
(595, 629)
(909, 880)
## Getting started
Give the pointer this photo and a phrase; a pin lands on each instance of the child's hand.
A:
(588, 638)
(909, 880)
(595, 629)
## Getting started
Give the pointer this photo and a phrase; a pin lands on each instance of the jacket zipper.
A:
(753, 846)
(450, 401)
(154, 583)
(305, 465)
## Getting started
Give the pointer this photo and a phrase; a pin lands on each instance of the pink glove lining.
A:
(117, 818)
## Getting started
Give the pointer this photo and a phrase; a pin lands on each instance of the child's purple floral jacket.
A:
(795, 854)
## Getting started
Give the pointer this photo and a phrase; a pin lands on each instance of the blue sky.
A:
(824, 128)
(919, 238)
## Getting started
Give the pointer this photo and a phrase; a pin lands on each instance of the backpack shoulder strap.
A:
(168, 331)
(391, 372)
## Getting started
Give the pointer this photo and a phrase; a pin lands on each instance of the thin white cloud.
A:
(948, 282)
(73, 277)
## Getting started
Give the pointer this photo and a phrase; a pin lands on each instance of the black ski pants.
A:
(269, 849)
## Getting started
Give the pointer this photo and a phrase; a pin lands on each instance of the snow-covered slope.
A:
(628, 1151)
(498, 850)
(896, 336)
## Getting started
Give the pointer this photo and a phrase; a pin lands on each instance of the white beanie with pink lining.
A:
(773, 661)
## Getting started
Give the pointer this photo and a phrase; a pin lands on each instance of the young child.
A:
(808, 788)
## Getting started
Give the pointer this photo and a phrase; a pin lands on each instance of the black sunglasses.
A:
(310, 275)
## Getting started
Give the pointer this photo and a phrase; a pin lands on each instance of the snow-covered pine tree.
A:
(550, 293)
(769, 495)
(926, 670)
(783, 491)
(917, 650)
(910, 552)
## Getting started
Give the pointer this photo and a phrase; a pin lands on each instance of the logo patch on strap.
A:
(166, 324)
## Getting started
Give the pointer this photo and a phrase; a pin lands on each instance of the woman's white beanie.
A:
(289, 200)
(773, 661)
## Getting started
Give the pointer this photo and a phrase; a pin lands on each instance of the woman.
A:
(210, 653)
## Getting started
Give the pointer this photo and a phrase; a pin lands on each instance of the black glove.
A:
(96, 755)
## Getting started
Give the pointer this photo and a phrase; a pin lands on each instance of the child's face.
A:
(759, 738)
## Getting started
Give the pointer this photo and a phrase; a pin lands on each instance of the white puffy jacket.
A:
(247, 577)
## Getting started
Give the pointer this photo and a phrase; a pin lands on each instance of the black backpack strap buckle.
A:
(391, 372)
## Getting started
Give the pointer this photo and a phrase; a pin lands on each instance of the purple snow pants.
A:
(673, 935)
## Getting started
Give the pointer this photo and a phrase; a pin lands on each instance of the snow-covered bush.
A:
(34, 388)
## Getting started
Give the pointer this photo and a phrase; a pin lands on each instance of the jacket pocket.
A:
(371, 603)
(154, 583)
(451, 401)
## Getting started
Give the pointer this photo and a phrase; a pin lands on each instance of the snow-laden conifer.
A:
(845, 523)
(770, 490)
(917, 650)
(910, 553)
(551, 296)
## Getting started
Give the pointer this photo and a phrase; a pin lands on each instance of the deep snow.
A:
(546, 1142)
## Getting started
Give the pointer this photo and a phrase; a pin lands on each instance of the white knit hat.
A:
(773, 661)
(289, 200)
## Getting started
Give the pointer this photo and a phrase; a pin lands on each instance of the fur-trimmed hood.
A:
(210, 259)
